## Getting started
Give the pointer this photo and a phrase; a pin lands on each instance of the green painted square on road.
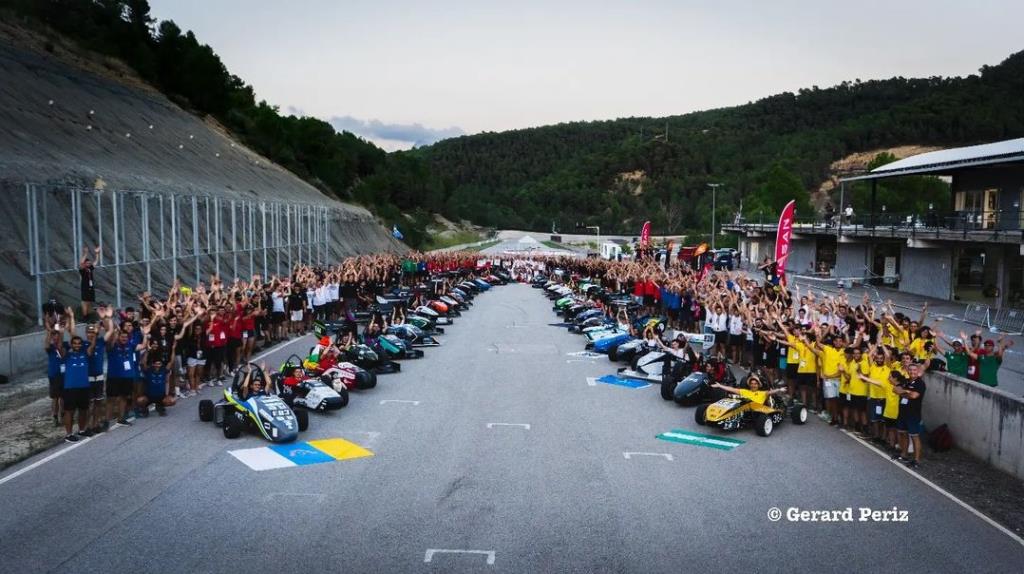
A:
(696, 438)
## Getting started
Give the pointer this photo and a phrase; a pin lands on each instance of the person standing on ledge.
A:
(86, 268)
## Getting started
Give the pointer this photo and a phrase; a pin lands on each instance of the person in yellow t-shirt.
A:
(829, 357)
(753, 392)
(805, 373)
(856, 389)
(791, 342)
(878, 369)
(892, 405)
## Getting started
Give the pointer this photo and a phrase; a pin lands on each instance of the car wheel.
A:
(206, 410)
(668, 388)
(365, 380)
(232, 426)
(764, 424)
(343, 393)
(302, 417)
(700, 415)
(799, 414)
(613, 353)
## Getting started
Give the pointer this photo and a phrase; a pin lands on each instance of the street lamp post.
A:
(714, 188)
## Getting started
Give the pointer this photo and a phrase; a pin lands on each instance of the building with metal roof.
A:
(970, 250)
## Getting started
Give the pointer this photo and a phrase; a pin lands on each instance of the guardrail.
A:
(1005, 320)
(189, 235)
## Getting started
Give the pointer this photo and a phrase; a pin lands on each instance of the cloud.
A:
(394, 136)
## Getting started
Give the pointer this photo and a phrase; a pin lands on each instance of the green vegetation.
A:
(484, 245)
(451, 240)
(618, 173)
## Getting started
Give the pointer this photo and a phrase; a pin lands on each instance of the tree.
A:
(778, 187)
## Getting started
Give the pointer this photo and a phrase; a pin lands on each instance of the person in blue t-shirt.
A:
(75, 394)
(97, 371)
(122, 368)
(53, 342)
(154, 385)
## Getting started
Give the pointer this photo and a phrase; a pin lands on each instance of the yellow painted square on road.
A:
(340, 449)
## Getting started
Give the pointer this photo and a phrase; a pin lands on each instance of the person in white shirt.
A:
(736, 335)
(718, 320)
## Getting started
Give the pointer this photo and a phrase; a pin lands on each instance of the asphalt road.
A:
(559, 496)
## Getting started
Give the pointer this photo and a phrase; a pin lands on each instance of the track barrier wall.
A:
(985, 421)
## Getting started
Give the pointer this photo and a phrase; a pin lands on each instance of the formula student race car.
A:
(695, 388)
(393, 347)
(735, 412)
(310, 391)
(366, 358)
(264, 414)
(412, 335)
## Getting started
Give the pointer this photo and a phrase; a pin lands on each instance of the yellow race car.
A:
(735, 412)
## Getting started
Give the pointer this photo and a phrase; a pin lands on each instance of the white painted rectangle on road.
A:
(261, 458)
(630, 455)
(429, 556)
(523, 425)
(413, 403)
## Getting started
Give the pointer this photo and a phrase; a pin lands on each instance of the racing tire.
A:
(613, 353)
(232, 426)
(302, 417)
(206, 410)
(343, 393)
(668, 388)
(700, 415)
(764, 425)
(799, 414)
(366, 380)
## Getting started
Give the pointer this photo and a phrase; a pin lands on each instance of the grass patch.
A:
(457, 238)
(484, 245)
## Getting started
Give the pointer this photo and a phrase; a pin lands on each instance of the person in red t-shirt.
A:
(249, 331)
(233, 348)
(216, 342)
(651, 295)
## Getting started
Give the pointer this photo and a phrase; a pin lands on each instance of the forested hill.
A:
(618, 173)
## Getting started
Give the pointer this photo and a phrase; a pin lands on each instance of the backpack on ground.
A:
(940, 439)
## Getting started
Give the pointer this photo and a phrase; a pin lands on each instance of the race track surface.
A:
(554, 494)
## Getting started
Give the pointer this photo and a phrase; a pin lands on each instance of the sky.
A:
(405, 73)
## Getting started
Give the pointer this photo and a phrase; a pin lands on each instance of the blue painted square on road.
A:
(301, 453)
(623, 382)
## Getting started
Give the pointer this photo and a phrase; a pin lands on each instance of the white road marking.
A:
(940, 490)
(45, 460)
(429, 556)
(578, 361)
(630, 455)
(592, 381)
(413, 403)
(524, 425)
(272, 495)
(73, 446)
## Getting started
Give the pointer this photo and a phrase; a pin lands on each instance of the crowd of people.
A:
(169, 347)
(857, 364)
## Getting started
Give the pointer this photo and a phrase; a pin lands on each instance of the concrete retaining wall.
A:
(24, 353)
(926, 272)
(985, 421)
